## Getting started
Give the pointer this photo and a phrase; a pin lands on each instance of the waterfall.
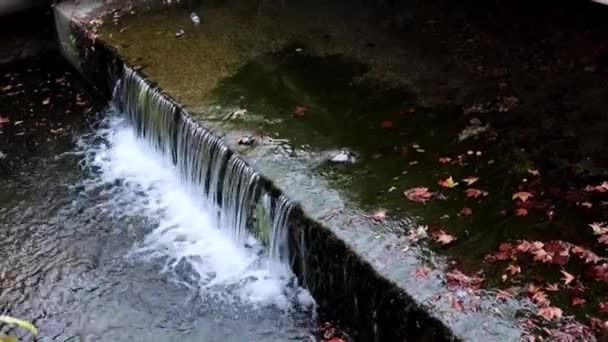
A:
(234, 190)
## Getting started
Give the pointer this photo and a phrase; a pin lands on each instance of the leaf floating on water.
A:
(577, 301)
(475, 193)
(470, 180)
(534, 172)
(466, 211)
(418, 194)
(513, 269)
(445, 160)
(386, 124)
(567, 278)
(4, 120)
(550, 312)
(422, 272)
(521, 212)
(378, 216)
(448, 182)
(46, 101)
(20, 323)
(300, 111)
(444, 238)
(522, 196)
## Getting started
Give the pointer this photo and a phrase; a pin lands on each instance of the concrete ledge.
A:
(376, 300)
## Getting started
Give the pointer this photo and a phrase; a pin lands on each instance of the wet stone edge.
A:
(345, 286)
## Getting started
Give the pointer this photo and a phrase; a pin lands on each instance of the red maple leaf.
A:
(576, 301)
(465, 211)
(567, 277)
(422, 272)
(300, 111)
(474, 193)
(470, 180)
(553, 287)
(386, 124)
(550, 312)
(521, 212)
(513, 269)
(456, 304)
(445, 160)
(444, 238)
(419, 194)
(502, 294)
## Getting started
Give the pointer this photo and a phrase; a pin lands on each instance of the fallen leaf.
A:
(540, 298)
(587, 205)
(577, 301)
(4, 120)
(300, 111)
(470, 180)
(522, 196)
(448, 182)
(602, 308)
(386, 124)
(419, 194)
(474, 193)
(553, 287)
(379, 215)
(550, 312)
(502, 294)
(444, 238)
(521, 212)
(465, 211)
(534, 172)
(513, 269)
(445, 160)
(46, 101)
(456, 304)
(422, 272)
(567, 278)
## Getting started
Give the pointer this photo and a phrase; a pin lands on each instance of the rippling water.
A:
(103, 241)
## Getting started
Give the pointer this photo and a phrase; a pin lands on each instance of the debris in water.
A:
(195, 18)
(419, 194)
(180, 33)
(300, 111)
(247, 140)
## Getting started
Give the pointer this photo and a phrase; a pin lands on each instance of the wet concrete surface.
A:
(512, 94)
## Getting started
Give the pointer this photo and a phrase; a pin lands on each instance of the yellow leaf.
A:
(448, 182)
(20, 323)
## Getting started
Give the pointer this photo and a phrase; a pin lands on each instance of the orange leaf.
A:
(522, 195)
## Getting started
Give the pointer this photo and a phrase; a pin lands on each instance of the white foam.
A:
(186, 225)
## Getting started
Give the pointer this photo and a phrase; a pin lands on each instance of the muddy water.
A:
(101, 240)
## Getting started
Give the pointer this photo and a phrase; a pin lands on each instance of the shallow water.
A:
(101, 240)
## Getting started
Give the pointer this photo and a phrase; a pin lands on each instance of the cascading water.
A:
(231, 187)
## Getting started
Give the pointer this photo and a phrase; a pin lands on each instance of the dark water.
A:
(102, 241)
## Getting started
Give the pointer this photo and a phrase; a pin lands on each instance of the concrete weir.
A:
(359, 273)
